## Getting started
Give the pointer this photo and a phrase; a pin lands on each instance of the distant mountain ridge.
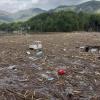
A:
(88, 7)
(23, 15)
(5, 16)
(26, 14)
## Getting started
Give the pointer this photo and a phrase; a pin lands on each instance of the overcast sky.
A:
(15, 5)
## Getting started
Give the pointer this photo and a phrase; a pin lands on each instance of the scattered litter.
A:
(33, 58)
(69, 75)
(69, 90)
(12, 67)
(45, 76)
(61, 72)
(40, 68)
(82, 72)
(39, 54)
(93, 50)
(50, 78)
(97, 73)
(82, 47)
(23, 80)
(64, 49)
(76, 92)
(28, 52)
(48, 72)
(36, 45)
(91, 88)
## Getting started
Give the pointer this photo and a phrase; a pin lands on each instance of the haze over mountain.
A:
(22, 15)
(5, 16)
(16, 5)
(26, 14)
(88, 7)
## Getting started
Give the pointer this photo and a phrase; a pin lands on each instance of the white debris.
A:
(39, 54)
(33, 47)
(82, 47)
(82, 72)
(39, 68)
(36, 45)
(93, 50)
(64, 49)
(97, 73)
(76, 92)
(28, 52)
(45, 76)
(69, 90)
(33, 58)
(12, 67)
(50, 79)
(48, 72)
(91, 88)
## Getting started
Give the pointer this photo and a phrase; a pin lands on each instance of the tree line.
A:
(63, 21)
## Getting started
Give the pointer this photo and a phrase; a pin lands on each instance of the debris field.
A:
(58, 71)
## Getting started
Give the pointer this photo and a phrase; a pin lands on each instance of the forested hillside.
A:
(64, 21)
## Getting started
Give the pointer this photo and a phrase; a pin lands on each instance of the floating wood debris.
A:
(91, 49)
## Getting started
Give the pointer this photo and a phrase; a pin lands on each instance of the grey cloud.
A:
(47, 4)
(15, 5)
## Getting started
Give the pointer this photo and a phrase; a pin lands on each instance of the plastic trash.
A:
(33, 58)
(61, 72)
(39, 53)
(97, 73)
(28, 52)
(64, 49)
(93, 50)
(36, 45)
(12, 67)
(33, 47)
(77, 92)
(45, 76)
(82, 47)
(50, 78)
(69, 90)
(48, 72)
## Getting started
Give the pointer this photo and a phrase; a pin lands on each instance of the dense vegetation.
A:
(63, 21)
